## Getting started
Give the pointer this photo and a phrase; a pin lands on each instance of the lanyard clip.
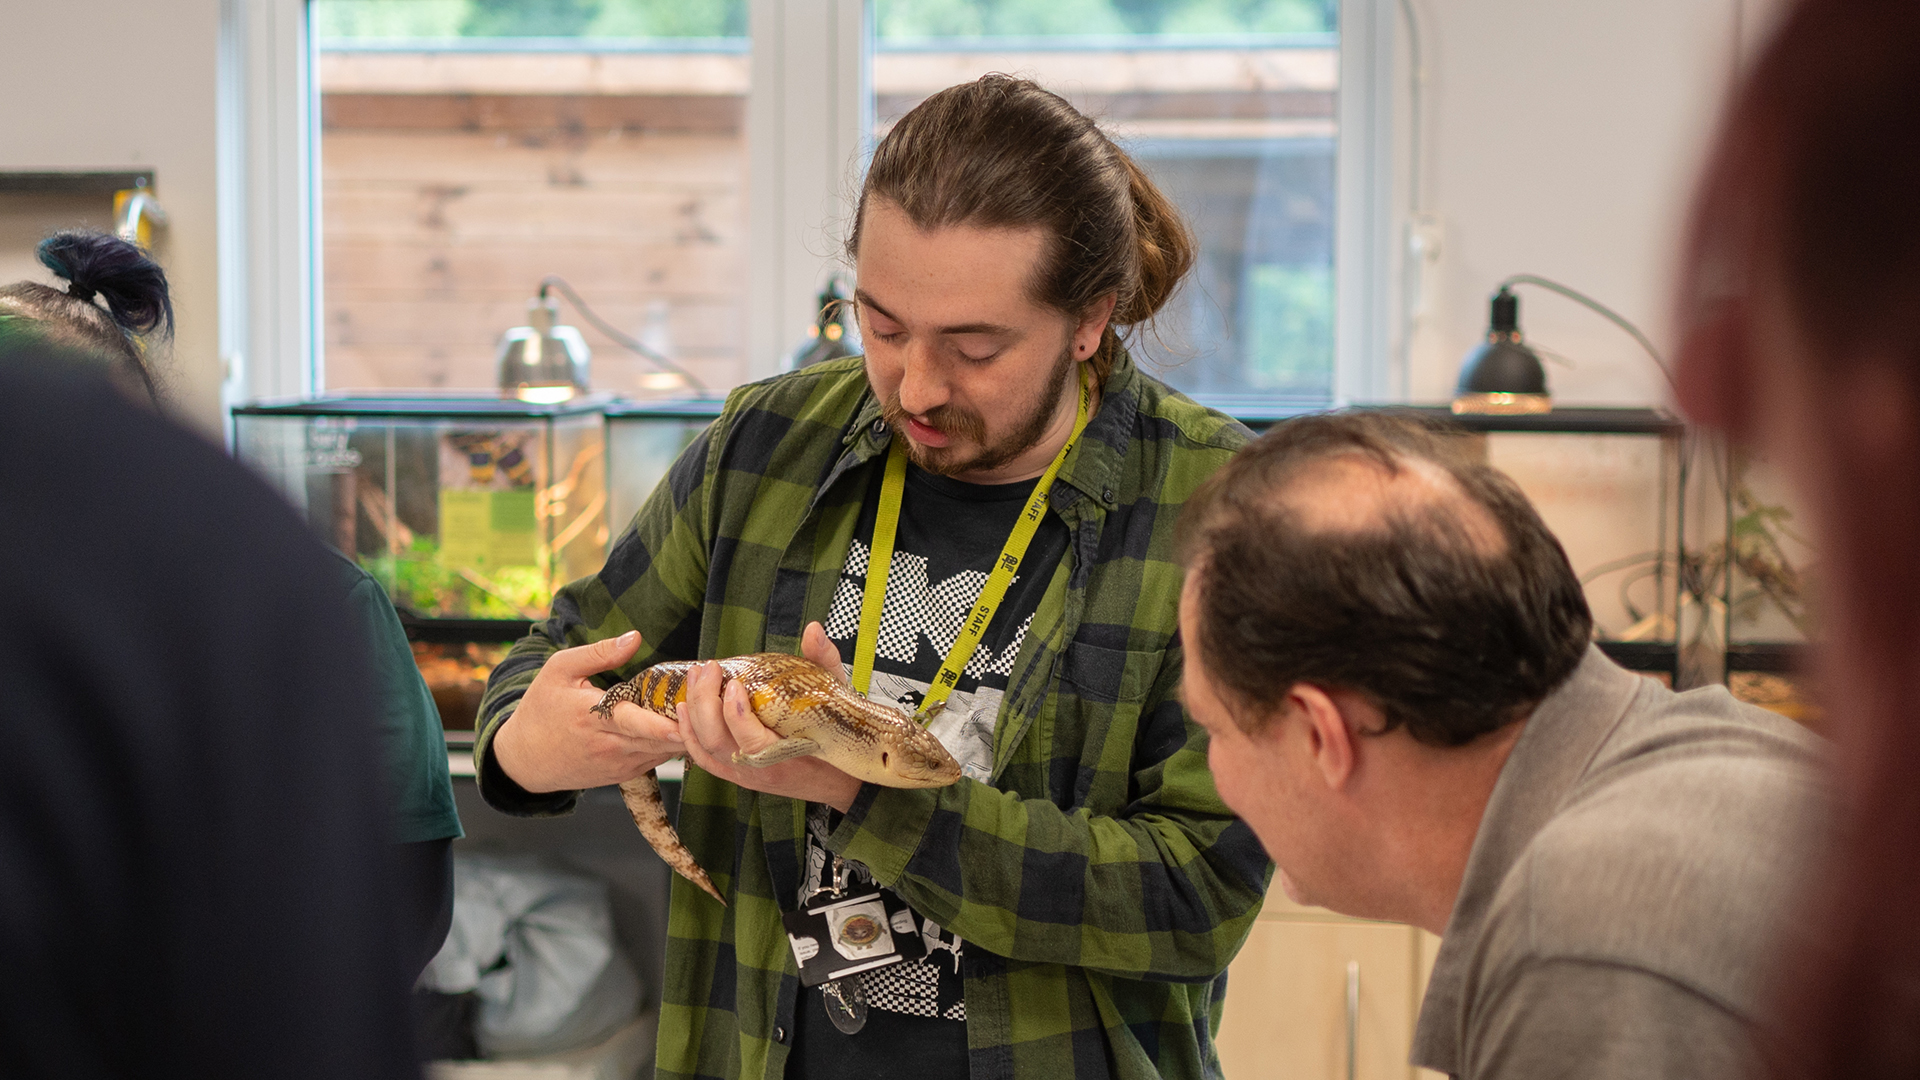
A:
(834, 885)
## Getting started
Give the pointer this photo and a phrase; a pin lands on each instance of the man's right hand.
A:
(554, 741)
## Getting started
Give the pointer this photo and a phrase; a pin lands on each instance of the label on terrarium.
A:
(484, 530)
(516, 532)
(327, 450)
(466, 529)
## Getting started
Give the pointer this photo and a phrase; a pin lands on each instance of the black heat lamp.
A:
(1502, 376)
(834, 332)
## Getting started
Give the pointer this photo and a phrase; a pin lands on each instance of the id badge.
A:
(833, 938)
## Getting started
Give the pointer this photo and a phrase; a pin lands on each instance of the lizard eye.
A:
(883, 759)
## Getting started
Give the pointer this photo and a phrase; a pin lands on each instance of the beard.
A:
(968, 429)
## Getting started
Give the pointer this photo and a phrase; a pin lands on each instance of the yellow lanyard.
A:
(879, 562)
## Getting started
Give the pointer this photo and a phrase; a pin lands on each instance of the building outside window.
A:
(467, 148)
(1227, 104)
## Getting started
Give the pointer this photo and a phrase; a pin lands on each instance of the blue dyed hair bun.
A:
(118, 272)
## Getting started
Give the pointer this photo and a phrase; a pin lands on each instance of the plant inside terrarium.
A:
(1763, 576)
(423, 583)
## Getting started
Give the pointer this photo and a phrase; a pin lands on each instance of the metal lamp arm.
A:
(141, 207)
(632, 344)
(1601, 309)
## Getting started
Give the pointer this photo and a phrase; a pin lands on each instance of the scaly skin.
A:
(642, 796)
(796, 700)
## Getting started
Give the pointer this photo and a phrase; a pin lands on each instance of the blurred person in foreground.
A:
(116, 303)
(1394, 660)
(1799, 321)
(194, 877)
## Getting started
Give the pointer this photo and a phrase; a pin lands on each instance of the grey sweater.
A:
(1628, 888)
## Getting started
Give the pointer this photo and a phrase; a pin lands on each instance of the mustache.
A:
(945, 419)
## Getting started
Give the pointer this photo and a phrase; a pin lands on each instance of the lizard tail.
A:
(642, 796)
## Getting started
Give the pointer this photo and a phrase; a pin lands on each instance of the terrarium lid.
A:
(432, 406)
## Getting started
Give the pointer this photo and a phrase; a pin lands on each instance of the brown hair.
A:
(1808, 202)
(1001, 152)
(1449, 639)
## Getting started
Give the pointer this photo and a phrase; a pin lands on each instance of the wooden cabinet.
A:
(1319, 996)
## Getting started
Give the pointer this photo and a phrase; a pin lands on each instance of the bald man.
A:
(1393, 659)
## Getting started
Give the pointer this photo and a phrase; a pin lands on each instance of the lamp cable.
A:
(1416, 86)
(1602, 310)
(1691, 442)
(627, 342)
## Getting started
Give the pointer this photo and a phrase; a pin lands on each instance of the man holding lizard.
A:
(1079, 893)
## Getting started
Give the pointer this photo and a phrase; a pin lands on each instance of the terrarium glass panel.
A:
(1769, 555)
(1613, 486)
(462, 508)
(1610, 499)
(644, 439)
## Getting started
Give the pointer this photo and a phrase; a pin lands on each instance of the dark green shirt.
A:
(413, 747)
(1098, 881)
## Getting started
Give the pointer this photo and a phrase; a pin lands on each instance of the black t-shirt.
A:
(949, 537)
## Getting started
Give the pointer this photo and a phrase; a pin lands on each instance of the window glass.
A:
(1227, 104)
(468, 148)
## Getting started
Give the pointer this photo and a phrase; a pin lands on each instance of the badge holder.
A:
(835, 937)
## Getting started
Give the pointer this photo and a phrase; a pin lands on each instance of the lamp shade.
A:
(1502, 375)
(541, 361)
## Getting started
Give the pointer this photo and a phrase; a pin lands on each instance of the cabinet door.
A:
(1289, 1011)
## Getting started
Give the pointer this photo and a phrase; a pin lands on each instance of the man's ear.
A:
(1329, 739)
(1086, 335)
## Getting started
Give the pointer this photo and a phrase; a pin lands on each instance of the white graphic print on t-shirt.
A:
(918, 614)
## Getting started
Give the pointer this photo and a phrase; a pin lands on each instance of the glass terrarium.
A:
(464, 508)
(1612, 498)
(644, 438)
(1612, 484)
(1613, 489)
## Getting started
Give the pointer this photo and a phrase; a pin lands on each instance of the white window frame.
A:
(1368, 342)
(809, 114)
(268, 216)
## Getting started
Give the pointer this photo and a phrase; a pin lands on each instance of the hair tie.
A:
(80, 292)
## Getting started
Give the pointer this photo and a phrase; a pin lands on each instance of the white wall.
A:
(113, 84)
(1561, 140)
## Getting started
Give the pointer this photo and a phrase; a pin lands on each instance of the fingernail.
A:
(629, 637)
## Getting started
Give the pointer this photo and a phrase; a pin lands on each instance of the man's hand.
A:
(554, 741)
(714, 726)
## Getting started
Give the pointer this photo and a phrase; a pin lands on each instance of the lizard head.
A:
(913, 758)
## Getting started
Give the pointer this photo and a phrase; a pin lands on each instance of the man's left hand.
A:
(716, 725)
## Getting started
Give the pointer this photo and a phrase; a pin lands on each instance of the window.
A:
(468, 148)
(1228, 105)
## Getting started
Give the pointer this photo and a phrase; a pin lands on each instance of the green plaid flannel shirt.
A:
(1100, 884)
